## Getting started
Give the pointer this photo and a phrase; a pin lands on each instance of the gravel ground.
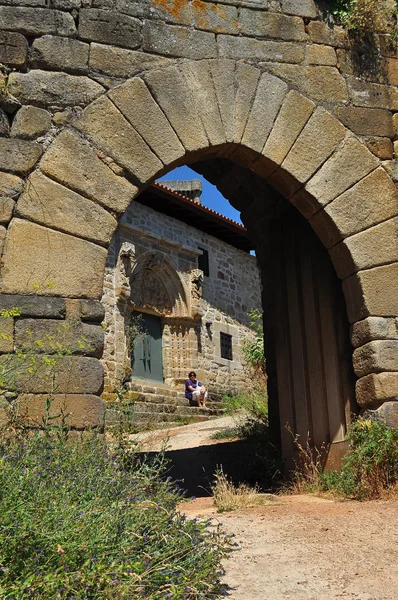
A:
(298, 547)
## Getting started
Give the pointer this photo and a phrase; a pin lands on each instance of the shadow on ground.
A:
(194, 468)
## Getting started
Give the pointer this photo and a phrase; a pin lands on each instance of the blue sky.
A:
(211, 197)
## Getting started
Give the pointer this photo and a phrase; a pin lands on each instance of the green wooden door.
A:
(147, 352)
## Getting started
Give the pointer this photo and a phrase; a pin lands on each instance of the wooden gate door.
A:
(147, 352)
(311, 364)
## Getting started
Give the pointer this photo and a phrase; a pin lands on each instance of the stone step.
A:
(142, 412)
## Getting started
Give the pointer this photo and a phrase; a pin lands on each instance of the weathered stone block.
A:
(136, 103)
(391, 167)
(109, 27)
(50, 336)
(381, 147)
(82, 411)
(325, 84)
(36, 21)
(351, 162)
(219, 18)
(370, 248)
(321, 55)
(30, 122)
(72, 375)
(3, 233)
(274, 25)
(386, 413)
(92, 310)
(372, 292)
(372, 95)
(120, 62)
(366, 121)
(105, 125)
(53, 262)
(58, 207)
(4, 124)
(314, 145)
(375, 388)
(6, 334)
(374, 328)
(10, 185)
(304, 8)
(223, 75)
(248, 48)
(247, 78)
(60, 54)
(74, 163)
(292, 117)
(19, 156)
(171, 40)
(13, 49)
(200, 84)
(45, 88)
(169, 89)
(377, 356)
(357, 209)
(322, 33)
(270, 94)
(6, 209)
(34, 306)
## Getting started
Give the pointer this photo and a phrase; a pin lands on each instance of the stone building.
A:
(185, 275)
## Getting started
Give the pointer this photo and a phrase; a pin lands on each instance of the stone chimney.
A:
(190, 188)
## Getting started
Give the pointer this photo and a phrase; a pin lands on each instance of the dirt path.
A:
(304, 548)
(299, 547)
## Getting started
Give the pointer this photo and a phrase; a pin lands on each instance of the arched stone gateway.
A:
(284, 143)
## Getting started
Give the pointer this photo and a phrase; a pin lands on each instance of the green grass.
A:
(78, 521)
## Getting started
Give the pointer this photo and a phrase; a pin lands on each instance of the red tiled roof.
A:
(167, 201)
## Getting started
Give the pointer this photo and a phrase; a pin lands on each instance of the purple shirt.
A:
(194, 384)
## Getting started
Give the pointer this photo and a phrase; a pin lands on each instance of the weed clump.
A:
(78, 521)
(228, 497)
(370, 467)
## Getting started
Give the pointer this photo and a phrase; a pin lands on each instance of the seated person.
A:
(195, 391)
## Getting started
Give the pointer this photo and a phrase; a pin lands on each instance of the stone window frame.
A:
(233, 331)
(226, 346)
(204, 261)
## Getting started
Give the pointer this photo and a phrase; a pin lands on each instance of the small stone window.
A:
(203, 262)
(226, 345)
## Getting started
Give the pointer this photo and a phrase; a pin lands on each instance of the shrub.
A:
(371, 464)
(370, 467)
(253, 349)
(77, 524)
(364, 16)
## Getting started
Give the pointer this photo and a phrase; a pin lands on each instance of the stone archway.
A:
(190, 112)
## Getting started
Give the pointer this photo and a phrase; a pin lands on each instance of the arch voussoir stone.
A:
(370, 248)
(51, 204)
(358, 209)
(199, 81)
(169, 88)
(349, 164)
(270, 94)
(292, 118)
(108, 129)
(317, 141)
(136, 103)
(70, 160)
(372, 292)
